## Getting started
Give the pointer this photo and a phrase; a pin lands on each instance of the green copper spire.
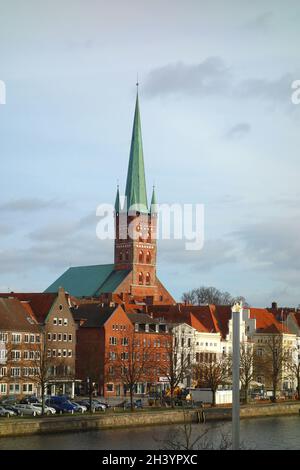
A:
(136, 183)
(117, 203)
(153, 202)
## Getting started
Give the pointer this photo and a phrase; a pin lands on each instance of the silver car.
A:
(6, 413)
(28, 410)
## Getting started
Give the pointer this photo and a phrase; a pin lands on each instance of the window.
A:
(15, 372)
(148, 279)
(148, 257)
(3, 355)
(124, 355)
(49, 336)
(141, 278)
(16, 355)
(70, 353)
(3, 371)
(3, 337)
(112, 356)
(49, 353)
(141, 256)
(26, 338)
(65, 336)
(16, 338)
(32, 338)
(26, 355)
(127, 256)
(60, 307)
(14, 389)
(54, 337)
(147, 328)
(121, 256)
(55, 321)
(124, 341)
(53, 352)
(70, 338)
(59, 353)
(136, 327)
(110, 387)
(60, 321)
(64, 353)
(59, 337)
(27, 388)
(31, 355)
(65, 321)
(3, 389)
(113, 340)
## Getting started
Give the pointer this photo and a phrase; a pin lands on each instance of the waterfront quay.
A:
(111, 419)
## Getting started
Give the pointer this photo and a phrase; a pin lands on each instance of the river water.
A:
(263, 433)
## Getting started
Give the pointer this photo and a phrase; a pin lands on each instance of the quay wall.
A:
(58, 424)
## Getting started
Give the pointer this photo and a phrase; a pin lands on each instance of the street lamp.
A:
(236, 312)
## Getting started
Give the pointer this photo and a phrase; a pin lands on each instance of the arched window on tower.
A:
(148, 257)
(126, 256)
(148, 279)
(121, 256)
(141, 278)
(141, 257)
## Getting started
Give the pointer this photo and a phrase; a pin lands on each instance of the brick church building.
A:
(132, 276)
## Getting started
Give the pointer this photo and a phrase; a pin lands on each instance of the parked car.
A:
(61, 404)
(137, 404)
(6, 412)
(12, 408)
(95, 405)
(28, 410)
(30, 399)
(79, 407)
(104, 403)
(48, 410)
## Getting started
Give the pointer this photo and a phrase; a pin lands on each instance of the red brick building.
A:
(107, 339)
(134, 270)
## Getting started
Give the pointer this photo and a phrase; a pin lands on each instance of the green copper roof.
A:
(89, 281)
(135, 192)
(153, 202)
(117, 203)
(82, 281)
(113, 281)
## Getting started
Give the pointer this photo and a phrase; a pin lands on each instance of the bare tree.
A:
(272, 360)
(294, 373)
(133, 364)
(46, 368)
(178, 365)
(246, 368)
(213, 372)
(210, 295)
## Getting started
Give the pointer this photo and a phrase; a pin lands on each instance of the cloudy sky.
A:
(219, 128)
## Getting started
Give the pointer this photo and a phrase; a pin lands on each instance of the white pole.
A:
(236, 311)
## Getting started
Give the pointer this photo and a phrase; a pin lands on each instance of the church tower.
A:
(136, 223)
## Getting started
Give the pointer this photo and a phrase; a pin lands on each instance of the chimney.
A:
(274, 306)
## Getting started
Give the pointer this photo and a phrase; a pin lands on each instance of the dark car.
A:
(14, 409)
(29, 400)
(61, 404)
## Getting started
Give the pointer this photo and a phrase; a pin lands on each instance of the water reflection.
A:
(263, 433)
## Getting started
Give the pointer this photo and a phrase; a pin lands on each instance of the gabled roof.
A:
(40, 303)
(14, 316)
(266, 321)
(94, 314)
(82, 281)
